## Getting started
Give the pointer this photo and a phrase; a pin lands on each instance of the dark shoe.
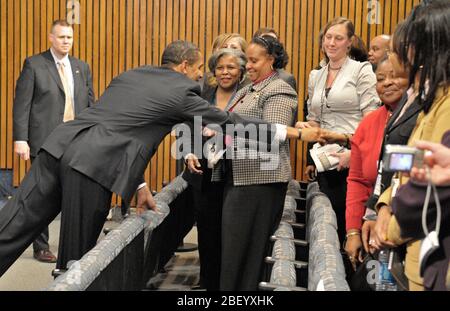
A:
(58, 272)
(45, 256)
(198, 287)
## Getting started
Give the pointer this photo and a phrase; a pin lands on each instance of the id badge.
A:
(377, 188)
(394, 185)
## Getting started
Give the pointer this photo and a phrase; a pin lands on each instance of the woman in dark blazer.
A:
(228, 67)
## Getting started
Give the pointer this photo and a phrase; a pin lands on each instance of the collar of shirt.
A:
(64, 60)
(272, 73)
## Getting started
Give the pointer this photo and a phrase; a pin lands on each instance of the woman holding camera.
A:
(424, 48)
(408, 205)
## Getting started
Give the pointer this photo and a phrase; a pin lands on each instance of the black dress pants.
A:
(50, 187)
(250, 215)
(41, 242)
(208, 210)
(334, 185)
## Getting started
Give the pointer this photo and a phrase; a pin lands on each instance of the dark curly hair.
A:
(275, 48)
(426, 38)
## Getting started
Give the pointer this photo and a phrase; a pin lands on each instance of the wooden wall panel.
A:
(116, 35)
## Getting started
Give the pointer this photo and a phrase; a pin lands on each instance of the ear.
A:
(183, 66)
(272, 59)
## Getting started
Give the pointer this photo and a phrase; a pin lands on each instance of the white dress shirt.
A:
(67, 72)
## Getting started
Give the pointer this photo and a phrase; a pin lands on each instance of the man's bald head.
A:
(378, 48)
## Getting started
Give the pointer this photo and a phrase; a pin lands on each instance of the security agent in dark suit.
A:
(106, 149)
(52, 88)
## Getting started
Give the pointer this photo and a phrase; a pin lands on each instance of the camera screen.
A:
(401, 162)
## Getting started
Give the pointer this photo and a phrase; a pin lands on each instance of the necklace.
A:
(331, 68)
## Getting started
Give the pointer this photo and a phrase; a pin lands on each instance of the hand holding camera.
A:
(400, 158)
(438, 159)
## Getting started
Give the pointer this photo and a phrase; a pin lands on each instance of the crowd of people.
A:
(394, 93)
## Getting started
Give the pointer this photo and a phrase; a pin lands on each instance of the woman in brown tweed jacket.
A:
(255, 180)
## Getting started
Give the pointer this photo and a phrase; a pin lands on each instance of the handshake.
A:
(310, 133)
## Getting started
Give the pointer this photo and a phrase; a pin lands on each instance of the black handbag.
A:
(357, 281)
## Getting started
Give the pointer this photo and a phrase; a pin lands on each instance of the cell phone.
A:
(400, 158)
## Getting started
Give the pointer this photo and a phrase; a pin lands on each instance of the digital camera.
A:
(401, 158)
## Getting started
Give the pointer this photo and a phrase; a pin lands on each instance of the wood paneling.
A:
(116, 35)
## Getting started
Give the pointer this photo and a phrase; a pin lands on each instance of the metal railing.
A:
(326, 268)
(120, 253)
(284, 264)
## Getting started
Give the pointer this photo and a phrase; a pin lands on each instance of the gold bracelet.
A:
(352, 234)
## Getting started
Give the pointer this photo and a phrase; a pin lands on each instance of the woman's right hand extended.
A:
(332, 137)
(312, 134)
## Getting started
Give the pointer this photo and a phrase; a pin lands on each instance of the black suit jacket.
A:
(288, 78)
(40, 99)
(200, 181)
(113, 141)
(399, 133)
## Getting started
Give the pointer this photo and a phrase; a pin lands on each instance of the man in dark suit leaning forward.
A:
(106, 149)
(53, 88)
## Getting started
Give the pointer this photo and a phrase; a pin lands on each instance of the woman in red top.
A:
(366, 144)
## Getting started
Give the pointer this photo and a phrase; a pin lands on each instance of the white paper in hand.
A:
(322, 158)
